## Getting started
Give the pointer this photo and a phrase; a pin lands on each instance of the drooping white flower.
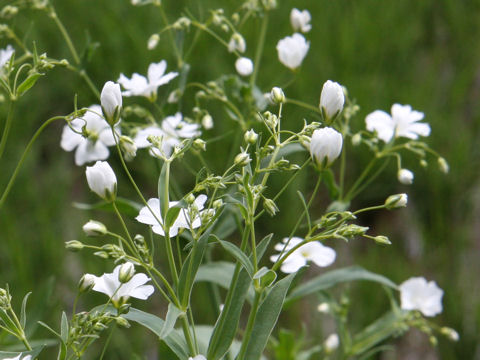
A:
(404, 122)
(140, 85)
(292, 50)
(300, 20)
(244, 66)
(314, 251)
(19, 357)
(102, 180)
(237, 43)
(110, 285)
(5, 55)
(173, 129)
(325, 146)
(111, 101)
(418, 294)
(332, 99)
(331, 343)
(183, 220)
(98, 134)
(405, 176)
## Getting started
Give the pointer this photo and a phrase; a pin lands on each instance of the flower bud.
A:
(270, 119)
(237, 43)
(244, 66)
(123, 309)
(111, 101)
(94, 228)
(102, 180)
(190, 199)
(128, 147)
(381, 239)
(356, 139)
(270, 206)
(242, 159)
(331, 343)
(331, 100)
(250, 137)
(217, 204)
(200, 145)
(122, 322)
(323, 308)
(450, 333)
(325, 146)
(277, 96)
(74, 245)
(86, 283)
(405, 176)
(126, 272)
(396, 201)
(153, 41)
(443, 165)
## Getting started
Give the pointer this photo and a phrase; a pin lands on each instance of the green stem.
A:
(373, 177)
(174, 44)
(250, 323)
(357, 183)
(259, 50)
(304, 105)
(83, 74)
(188, 336)
(6, 129)
(21, 332)
(24, 155)
(65, 35)
(107, 342)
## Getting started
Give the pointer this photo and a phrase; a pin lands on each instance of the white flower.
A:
(292, 50)
(237, 43)
(98, 136)
(110, 285)
(94, 228)
(314, 251)
(244, 66)
(418, 294)
(5, 55)
(140, 85)
(332, 99)
(396, 201)
(183, 220)
(404, 122)
(102, 180)
(172, 130)
(325, 146)
(198, 357)
(86, 283)
(300, 20)
(19, 356)
(111, 101)
(331, 343)
(405, 176)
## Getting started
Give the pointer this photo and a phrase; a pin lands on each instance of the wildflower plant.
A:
(219, 213)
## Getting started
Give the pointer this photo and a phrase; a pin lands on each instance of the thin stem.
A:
(65, 35)
(357, 183)
(259, 50)
(304, 105)
(188, 336)
(250, 323)
(373, 177)
(6, 129)
(174, 44)
(107, 341)
(21, 332)
(24, 155)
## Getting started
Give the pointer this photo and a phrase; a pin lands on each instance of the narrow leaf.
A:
(23, 315)
(163, 191)
(28, 83)
(233, 250)
(33, 353)
(172, 315)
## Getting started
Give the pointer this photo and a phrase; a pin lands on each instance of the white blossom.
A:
(102, 180)
(172, 130)
(331, 343)
(418, 294)
(300, 20)
(292, 50)
(111, 101)
(110, 285)
(94, 228)
(5, 55)
(405, 176)
(314, 251)
(140, 85)
(403, 122)
(183, 220)
(98, 136)
(86, 283)
(331, 99)
(244, 66)
(237, 43)
(325, 146)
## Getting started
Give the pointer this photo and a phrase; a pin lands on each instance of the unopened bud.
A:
(443, 165)
(381, 239)
(396, 201)
(123, 309)
(323, 308)
(433, 340)
(94, 228)
(122, 322)
(331, 343)
(405, 176)
(250, 137)
(126, 272)
(139, 239)
(200, 145)
(190, 199)
(277, 96)
(270, 119)
(217, 204)
(207, 121)
(242, 159)
(74, 245)
(270, 206)
(153, 41)
(356, 139)
(450, 333)
(86, 283)
(128, 147)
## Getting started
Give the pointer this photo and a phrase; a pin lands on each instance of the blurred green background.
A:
(424, 53)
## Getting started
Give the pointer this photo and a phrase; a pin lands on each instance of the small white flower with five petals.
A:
(292, 50)
(300, 20)
(418, 294)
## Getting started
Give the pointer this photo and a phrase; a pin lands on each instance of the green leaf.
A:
(329, 180)
(233, 250)
(266, 277)
(267, 317)
(227, 323)
(334, 277)
(172, 213)
(190, 268)
(23, 315)
(163, 191)
(172, 315)
(34, 353)
(263, 245)
(64, 328)
(155, 324)
(28, 83)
